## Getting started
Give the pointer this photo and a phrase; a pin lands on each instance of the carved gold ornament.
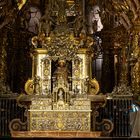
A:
(35, 40)
(76, 72)
(94, 86)
(46, 72)
(29, 87)
(21, 3)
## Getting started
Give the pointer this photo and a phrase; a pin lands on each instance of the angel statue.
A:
(95, 24)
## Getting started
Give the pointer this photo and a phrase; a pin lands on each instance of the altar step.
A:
(55, 134)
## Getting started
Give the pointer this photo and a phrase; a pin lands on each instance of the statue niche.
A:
(61, 85)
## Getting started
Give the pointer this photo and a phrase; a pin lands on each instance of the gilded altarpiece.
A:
(59, 106)
(61, 89)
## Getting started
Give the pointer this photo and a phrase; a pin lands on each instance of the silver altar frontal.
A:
(42, 119)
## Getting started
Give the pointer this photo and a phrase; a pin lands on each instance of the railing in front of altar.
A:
(8, 111)
(117, 110)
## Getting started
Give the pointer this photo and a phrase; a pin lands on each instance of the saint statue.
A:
(60, 94)
(95, 24)
(61, 73)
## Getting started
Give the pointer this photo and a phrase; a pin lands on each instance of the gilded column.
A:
(41, 74)
(121, 62)
(123, 59)
(81, 70)
(135, 60)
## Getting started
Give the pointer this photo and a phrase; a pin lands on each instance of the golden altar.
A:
(60, 97)
(62, 103)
